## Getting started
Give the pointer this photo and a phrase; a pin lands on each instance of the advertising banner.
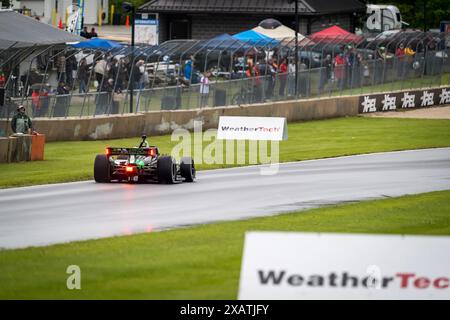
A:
(252, 128)
(291, 266)
(404, 100)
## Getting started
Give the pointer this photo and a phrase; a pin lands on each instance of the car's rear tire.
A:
(102, 169)
(166, 170)
(187, 169)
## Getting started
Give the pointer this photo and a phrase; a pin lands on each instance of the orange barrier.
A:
(37, 147)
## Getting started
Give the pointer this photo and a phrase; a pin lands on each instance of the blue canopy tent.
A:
(97, 43)
(225, 42)
(255, 38)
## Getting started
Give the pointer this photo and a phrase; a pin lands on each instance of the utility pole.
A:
(296, 47)
(424, 16)
(130, 8)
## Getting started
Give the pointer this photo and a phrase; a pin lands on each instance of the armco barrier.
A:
(164, 122)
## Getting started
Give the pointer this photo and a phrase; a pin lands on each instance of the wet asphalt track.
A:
(43, 215)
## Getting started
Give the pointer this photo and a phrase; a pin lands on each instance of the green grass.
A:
(201, 262)
(73, 161)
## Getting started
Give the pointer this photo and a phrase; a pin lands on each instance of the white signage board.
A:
(252, 128)
(296, 266)
(147, 30)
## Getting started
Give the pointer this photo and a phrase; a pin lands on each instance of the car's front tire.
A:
(102, 169)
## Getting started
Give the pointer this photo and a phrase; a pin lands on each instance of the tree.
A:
(6, 3)
(412, 12)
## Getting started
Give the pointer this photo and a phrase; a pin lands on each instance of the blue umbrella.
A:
(97, 43)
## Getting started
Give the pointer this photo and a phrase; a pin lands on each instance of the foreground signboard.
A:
(252, 128)
(288, 265)
(404, 100)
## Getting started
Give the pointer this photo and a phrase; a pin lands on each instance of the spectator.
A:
(283, 77)
(350, 59)
(382, 53)
(291, 78)
(138, 73)
(271, 72)
(83, 76)
(93, 33)
(400, 52)
(257, 84)
(44, 100)
(113, 69)
(71, 67)
(61, 67)
(62, 100)
(104, 99)
(249, 71)
(325, 72)
(85, 33)
(303, 80)
(187, 72)
(400, 57)
(62, 88)
(339, 70)
(204, 89)
(122, 75)
(21, 123)
(100, 71)
(35, 102)
(2, 79)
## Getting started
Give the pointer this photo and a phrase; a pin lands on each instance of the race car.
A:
(141, 164)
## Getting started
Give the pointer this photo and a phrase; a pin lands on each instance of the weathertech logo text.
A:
(250, 129)
(404, 280)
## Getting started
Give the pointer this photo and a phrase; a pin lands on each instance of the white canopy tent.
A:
(279, 33)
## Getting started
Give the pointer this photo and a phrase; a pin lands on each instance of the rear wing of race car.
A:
(147, 151)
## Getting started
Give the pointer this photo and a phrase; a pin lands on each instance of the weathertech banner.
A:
(297, 266)
(404, 100)
(252, 128)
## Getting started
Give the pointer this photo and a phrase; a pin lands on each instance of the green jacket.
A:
(20, 123)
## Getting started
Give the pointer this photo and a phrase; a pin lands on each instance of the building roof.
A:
(23, 31)
(306, 7)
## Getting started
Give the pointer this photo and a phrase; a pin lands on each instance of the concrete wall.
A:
(164, 122)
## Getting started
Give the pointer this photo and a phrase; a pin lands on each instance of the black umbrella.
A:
(270, 24)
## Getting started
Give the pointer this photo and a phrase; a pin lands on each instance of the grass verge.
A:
(201, 262)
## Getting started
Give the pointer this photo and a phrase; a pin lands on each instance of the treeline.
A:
(421, 13)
